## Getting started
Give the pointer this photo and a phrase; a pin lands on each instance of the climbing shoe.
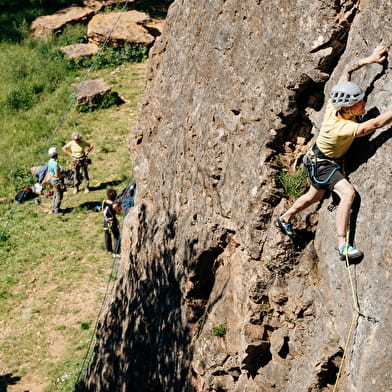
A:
(286, 228)
(352, 253)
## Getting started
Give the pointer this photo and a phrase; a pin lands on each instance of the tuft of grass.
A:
(292, 184)
(219, 330)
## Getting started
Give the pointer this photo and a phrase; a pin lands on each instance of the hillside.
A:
(54, 270)
(213, 297)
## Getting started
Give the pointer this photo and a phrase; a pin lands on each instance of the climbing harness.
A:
(312, 158)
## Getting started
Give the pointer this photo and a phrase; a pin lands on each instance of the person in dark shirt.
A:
(110, 223)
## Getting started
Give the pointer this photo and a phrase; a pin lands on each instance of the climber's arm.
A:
(378, 56)
(371, 125)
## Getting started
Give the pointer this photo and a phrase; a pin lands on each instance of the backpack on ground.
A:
(25, 194)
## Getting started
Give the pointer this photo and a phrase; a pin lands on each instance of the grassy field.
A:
(54, 270)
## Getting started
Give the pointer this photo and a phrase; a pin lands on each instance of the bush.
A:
(129, 53)
(219, 330)
(21, 178)
(111, 99)
(76, 34)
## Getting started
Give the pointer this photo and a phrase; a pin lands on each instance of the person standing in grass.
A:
(55, 179)
(78, 149)
(110, 223)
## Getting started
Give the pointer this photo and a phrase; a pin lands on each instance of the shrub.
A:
(73, 34)
(108, 100)
(129, 53)
(219, 330)
(21, 178)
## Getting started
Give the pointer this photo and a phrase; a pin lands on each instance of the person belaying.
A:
(78, 149)
(55, 180)
(110, 222)
(338, 130)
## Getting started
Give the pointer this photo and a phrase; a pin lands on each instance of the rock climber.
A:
(338, 130)
(78, 149)
(55, 179)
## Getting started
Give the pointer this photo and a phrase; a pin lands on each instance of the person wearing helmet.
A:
(338, 130)
(55, 179)
(78, 150)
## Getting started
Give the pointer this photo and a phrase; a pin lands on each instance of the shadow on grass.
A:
(6, 380)
(105, 185)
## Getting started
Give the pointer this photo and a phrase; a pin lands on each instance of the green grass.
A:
(54, 270)
(292, 184)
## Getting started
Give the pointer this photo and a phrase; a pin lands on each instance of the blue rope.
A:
(327, 179)
(43, 154)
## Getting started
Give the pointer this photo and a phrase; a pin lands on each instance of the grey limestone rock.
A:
(232, 86)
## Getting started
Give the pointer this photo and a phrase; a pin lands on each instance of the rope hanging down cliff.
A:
(61, 121)
(354, 320)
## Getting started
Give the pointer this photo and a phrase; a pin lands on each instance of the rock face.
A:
(231, 85)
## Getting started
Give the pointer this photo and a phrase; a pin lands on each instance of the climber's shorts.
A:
(322, 172)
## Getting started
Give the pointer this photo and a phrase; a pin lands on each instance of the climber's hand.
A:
(378, 56)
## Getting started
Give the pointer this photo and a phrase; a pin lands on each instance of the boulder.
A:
(44, 25)
(79, 50)
(130, 28)
(92, 92)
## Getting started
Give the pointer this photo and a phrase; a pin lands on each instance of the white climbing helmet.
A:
(52, 151)
(345, 94)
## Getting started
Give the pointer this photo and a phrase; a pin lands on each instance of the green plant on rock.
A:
(293, 184)
(219, 330)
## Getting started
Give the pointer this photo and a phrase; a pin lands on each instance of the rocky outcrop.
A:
(130, 28)
(44, 25)
(233, 85)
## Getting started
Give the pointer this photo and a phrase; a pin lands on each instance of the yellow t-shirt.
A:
(336, 134)
(77, 149)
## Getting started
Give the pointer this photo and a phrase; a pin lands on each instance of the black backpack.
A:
(25, 194)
